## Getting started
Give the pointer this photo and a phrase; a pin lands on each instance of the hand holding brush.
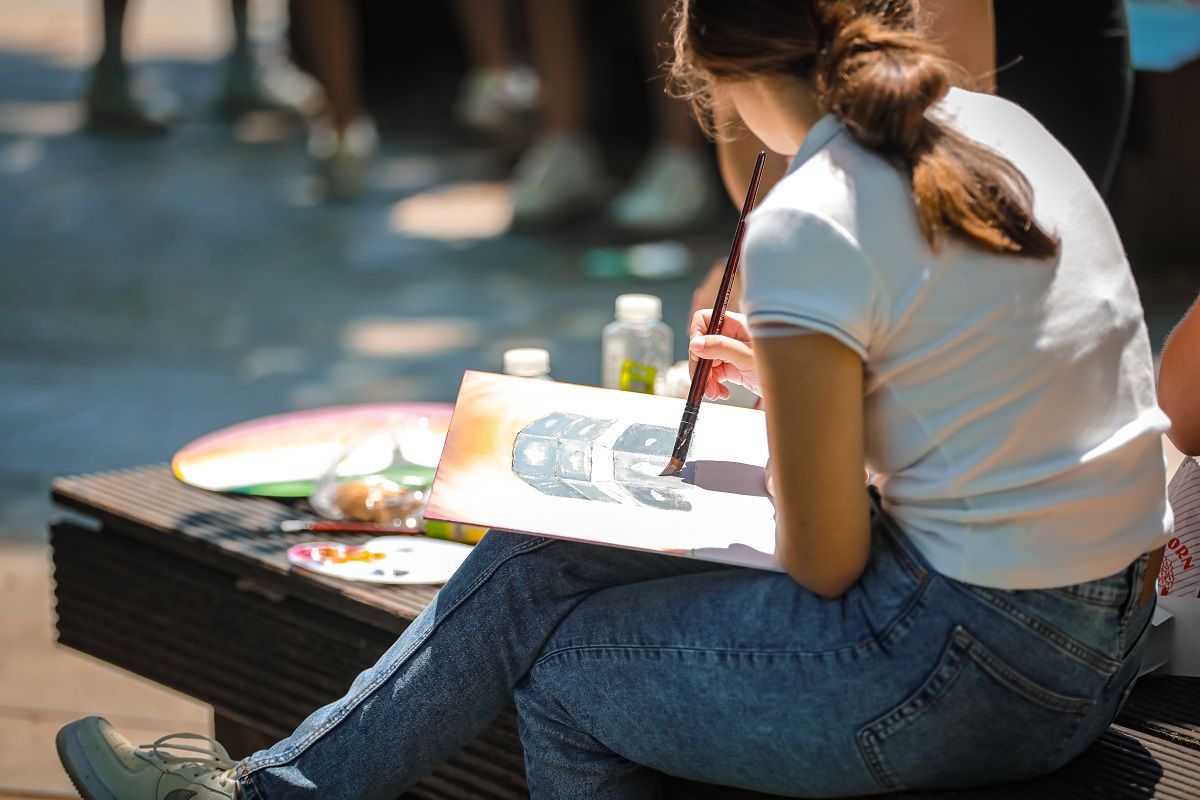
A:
(691, 409)
(731, 353)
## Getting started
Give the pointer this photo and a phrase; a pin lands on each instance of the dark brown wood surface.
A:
(144, 554)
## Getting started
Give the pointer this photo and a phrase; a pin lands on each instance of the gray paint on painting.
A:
(587, 458)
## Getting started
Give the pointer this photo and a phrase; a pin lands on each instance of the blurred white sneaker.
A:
(114, 102)
(559, 178)
(498, 102)
(674, 189)
(247, 87)
(343, 159)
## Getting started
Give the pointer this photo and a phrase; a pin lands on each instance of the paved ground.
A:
(153, 291)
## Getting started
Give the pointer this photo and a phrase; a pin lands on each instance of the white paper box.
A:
(1174, 645)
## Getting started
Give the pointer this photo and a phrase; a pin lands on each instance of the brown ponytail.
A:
(872, 69)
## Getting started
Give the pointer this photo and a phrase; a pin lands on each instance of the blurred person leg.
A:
(560, 176)
(343, 139)
(243, 88)
(112, 101)
(498, 94)
(674, 188)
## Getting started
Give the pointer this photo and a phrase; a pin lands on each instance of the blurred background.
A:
(213, 211)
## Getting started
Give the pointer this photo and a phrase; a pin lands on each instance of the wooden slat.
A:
(1169, 708)
(230, 531)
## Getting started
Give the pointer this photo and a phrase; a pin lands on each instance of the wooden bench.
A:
(269, 644)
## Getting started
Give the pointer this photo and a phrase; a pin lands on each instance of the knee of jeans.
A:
(538, 707)
(501, 539)
(494, 554)
(501, 545)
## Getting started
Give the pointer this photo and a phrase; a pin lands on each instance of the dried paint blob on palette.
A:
(384, 559)
(588, 458)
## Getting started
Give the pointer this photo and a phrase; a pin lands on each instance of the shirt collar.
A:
(818, 136)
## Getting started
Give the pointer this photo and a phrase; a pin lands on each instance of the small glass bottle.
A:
(636, 348)
(527, 362)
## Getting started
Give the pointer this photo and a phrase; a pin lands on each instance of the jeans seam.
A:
(886, 632)
(643, 648)
(1045, 631)
(946, 669)
(909, 560)
(1132, 605)
(296, 750)
(979, 652)
(245, 782)
(915, 601)
(1115, 602)
(962, 649)
(1061, 704)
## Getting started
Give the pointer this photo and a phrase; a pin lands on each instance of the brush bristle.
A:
(674, 467)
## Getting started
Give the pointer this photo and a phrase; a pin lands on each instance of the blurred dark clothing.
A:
(1069, 64)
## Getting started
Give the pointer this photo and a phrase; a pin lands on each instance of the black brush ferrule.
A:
(687, 426)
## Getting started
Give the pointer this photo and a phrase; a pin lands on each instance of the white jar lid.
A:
(526, 362)
(639, 308)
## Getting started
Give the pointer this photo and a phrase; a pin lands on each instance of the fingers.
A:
(715, 388)
(722, 348)
(735, 326)
(732, 362)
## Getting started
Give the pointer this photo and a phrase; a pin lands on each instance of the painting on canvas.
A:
(582, 463)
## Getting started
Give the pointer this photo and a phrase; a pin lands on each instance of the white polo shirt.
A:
(1010, 410)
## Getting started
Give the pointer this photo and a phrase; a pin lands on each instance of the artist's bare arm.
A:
(1179, 382)
(812, 388)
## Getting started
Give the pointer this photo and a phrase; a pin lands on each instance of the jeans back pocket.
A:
(974, 721)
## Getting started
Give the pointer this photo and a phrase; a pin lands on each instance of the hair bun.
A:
(879, 80)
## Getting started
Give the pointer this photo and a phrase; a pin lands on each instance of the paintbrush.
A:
(691, 409)
(325, 526)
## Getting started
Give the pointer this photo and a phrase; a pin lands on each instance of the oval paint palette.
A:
(283, 455)
(385, 559)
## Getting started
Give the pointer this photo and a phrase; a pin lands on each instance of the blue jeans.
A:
(625, 665)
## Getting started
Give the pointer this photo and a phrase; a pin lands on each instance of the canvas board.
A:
(582, 463)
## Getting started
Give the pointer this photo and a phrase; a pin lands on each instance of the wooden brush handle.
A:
(717, 320)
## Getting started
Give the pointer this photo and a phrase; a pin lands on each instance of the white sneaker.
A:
(103, 765)
(498, 102)
(559, 178)
(343, 160)
(246, 86)
(673, 189)
(113, 102)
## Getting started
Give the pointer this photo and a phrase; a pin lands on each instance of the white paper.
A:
(560, 460)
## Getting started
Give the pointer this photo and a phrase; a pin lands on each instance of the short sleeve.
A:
(802, 269)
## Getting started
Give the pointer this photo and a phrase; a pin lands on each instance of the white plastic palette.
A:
(392, 559)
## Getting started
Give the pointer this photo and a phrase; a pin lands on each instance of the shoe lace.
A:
(175, 756)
